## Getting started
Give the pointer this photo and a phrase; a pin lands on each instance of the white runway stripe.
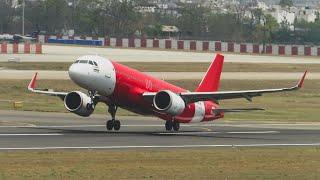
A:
(209, 132)
(187, 133)
(254, 132)
(48, 134)
(155, 146)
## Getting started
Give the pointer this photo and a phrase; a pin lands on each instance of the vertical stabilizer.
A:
(211, 80)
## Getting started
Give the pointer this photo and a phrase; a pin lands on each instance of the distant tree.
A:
(223, 27)
(54, 15)
(192, 21)
(285, 3)
(284, 34)
(265, 32)
(6, 15)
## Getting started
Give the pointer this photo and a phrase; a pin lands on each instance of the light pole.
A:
(23, 7)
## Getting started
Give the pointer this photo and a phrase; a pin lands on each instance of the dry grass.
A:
(216, 163)
(178, 67)
(301, 105)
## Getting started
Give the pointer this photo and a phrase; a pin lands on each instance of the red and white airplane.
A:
(117, 85)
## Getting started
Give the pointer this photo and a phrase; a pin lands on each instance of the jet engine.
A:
(169, 102)
(79, 103)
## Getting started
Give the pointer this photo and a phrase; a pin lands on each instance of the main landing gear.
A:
(175, 125)
(113, 123)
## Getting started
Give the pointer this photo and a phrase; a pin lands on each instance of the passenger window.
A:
(95, 63)
(90, 62)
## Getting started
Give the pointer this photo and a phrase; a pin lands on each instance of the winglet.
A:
(300, 83)
(32, 83)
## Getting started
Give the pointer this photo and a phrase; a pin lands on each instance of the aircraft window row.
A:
(86, 62)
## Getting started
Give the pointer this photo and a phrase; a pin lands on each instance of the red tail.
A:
(211, 80)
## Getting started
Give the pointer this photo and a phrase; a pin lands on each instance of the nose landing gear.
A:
(92, 95)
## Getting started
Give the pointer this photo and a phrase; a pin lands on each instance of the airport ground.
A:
(213, 163)
(280, 143)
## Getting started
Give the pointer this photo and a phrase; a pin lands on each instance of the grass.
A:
(178, 67)
(215, 163)
(301, 105)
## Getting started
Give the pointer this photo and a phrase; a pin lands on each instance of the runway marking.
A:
(254, 132)
(187, 133)
(158, 146)
(48, 134)
(210, 132)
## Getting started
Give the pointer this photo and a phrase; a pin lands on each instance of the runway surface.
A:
(39, 131)
(53, 53)
(58, 75)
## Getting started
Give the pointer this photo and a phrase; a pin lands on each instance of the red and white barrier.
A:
(22, 48)
(193, 45)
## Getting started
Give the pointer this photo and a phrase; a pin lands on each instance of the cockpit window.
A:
(95, 63)
(90, 62)
(76, 62)
(83, 61)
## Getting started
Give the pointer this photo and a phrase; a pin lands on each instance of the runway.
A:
(55, 53)
(39, 131)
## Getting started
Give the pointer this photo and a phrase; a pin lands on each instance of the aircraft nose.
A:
(73, 72)
(76, 73)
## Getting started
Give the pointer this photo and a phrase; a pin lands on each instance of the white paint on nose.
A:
(78, 73)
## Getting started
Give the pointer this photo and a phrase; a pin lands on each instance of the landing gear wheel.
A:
(113, 124)
(176, 126)
(169, 125)
(116, 125)
(110, 125)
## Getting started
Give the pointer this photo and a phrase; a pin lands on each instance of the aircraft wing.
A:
(32, 88)
(50, 92)
(190, 97)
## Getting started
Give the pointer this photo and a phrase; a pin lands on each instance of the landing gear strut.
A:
(113, 123)
(175, 125)
(92, 95)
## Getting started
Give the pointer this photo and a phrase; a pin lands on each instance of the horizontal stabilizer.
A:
(218, 111)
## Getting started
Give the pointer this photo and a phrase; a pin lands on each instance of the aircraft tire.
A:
(109, 125)
(176, 126)
(117, 125)
(169, 125)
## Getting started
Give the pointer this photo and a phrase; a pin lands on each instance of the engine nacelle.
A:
(169, 102)
(79, 103)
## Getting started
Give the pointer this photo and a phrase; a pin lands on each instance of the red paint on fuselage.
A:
(131, 84)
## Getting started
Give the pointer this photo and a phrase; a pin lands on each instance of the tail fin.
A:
(211, 80)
